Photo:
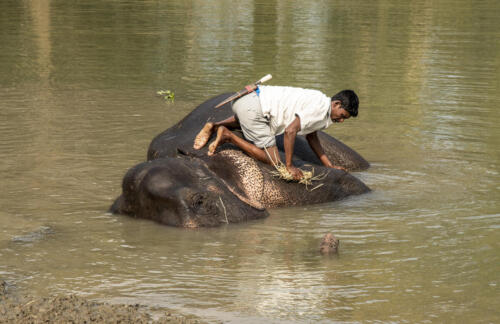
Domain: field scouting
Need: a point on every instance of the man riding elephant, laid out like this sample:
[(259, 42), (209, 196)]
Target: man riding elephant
[(185, 187), (273, 110)]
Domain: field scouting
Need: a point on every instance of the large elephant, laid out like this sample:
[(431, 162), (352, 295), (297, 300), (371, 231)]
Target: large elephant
[(184, 187)]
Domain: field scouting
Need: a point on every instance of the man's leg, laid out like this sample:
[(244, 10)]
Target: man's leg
[(224, 135), (206, 132), (231, 123)]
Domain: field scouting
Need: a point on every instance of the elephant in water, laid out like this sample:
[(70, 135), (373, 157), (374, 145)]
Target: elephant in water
[(183, 187)]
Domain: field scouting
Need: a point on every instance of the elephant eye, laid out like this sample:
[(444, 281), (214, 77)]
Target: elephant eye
[(202, 203), (196, 201)]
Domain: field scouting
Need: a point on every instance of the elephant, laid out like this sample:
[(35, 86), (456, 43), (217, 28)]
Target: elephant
[(184, 187)]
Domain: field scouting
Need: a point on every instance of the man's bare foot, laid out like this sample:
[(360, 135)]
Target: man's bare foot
[(219, 140), (203, 136)]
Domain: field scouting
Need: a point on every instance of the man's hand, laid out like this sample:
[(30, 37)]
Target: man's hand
[(338, 167), (328, 164), (295, 172), (312, 139)]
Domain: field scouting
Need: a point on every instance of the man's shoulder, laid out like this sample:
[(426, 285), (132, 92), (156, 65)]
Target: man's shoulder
[(288, 90)]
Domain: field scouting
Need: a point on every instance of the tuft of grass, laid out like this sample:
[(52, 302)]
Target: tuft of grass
[(307, 176), (168, 95)]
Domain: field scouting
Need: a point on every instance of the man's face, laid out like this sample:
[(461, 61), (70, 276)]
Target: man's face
[(338, 113)]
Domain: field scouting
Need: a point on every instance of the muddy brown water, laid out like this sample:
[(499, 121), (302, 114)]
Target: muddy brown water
[(78, 108)]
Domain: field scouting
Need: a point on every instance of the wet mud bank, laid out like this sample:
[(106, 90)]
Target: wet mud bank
[(77, 309)]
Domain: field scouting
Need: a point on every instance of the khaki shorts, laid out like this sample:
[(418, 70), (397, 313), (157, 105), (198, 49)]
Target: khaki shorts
[(254, 125)]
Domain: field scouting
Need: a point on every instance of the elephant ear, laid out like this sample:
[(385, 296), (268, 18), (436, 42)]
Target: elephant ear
[(239, 173)]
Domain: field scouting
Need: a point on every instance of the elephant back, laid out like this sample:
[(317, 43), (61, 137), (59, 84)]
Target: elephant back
[(181, 135)]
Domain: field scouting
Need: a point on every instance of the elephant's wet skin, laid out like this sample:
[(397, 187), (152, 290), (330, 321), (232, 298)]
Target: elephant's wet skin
[(230, 187), (253, 182), (183, 187), (181, 192)]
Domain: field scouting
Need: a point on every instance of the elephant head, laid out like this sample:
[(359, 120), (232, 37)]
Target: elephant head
[(181, 192)]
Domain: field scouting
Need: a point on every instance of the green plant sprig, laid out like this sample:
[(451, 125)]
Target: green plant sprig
[(168, 95)]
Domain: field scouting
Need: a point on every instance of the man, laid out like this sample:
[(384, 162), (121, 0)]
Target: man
[(274, 110)]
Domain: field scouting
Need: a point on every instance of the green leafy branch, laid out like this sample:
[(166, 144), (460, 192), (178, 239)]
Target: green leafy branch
[(168, 95)]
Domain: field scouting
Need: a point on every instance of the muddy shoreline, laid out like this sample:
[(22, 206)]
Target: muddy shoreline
[(77, 309)]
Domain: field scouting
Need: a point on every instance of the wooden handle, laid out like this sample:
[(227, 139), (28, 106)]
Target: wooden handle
[(264, 79)]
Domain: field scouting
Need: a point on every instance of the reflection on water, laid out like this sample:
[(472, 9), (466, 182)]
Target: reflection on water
[(77, 108)]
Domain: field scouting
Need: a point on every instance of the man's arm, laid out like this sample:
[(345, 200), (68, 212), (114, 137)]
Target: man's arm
[(289, 142), (312, 139)]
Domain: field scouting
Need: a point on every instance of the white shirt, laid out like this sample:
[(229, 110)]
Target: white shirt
[(282, 104)]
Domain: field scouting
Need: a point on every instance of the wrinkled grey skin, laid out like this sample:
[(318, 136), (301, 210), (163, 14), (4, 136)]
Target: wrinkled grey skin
[(181, 192), (183, 187)]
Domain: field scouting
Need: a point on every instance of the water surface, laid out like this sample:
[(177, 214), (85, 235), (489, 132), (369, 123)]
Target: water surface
[(78, 108)]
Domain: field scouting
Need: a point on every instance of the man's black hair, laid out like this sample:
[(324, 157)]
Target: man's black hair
[(349, 101)]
